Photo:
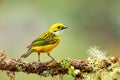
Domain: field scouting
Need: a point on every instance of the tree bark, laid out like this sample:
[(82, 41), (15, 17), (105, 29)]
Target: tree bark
[(92, 68)]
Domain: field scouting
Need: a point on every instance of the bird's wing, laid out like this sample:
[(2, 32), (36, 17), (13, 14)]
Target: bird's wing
[(42, 41)]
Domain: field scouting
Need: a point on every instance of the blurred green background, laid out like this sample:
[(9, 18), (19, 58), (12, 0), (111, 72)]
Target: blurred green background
[(90, 22)]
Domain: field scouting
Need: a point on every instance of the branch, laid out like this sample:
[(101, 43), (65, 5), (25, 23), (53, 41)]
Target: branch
[(93, 68)]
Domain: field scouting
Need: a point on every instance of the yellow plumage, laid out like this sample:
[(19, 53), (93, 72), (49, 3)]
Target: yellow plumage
[(46, 41), (46, 48)]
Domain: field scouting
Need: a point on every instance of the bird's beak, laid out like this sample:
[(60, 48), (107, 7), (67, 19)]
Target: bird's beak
[(64, 27)]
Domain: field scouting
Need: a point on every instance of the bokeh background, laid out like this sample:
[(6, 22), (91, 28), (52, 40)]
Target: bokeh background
[(90, 22)]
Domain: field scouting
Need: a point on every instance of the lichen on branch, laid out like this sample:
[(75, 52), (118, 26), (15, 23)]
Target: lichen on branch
[(95, 67)]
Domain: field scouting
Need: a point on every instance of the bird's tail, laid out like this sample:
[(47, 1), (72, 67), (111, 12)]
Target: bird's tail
[(25, 55)]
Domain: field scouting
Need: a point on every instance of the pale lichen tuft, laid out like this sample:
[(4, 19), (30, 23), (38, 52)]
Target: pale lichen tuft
[(96, 52)]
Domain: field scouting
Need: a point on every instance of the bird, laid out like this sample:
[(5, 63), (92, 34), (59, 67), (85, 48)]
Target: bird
[(46, 42)]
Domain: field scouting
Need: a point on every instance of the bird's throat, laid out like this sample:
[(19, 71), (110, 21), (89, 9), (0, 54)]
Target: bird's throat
[(57, 32)]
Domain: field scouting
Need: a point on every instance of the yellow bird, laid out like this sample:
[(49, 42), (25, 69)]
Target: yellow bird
[(46, 41)]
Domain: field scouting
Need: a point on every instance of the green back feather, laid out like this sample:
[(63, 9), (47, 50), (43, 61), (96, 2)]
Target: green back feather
[(44, 39)]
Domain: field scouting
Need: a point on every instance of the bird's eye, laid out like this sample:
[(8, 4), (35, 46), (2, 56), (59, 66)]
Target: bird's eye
[(58, 27)]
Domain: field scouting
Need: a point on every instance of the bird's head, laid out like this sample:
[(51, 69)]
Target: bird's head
[(57, 27)]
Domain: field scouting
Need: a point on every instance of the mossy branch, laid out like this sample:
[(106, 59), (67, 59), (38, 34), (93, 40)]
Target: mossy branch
[(93, 68)]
